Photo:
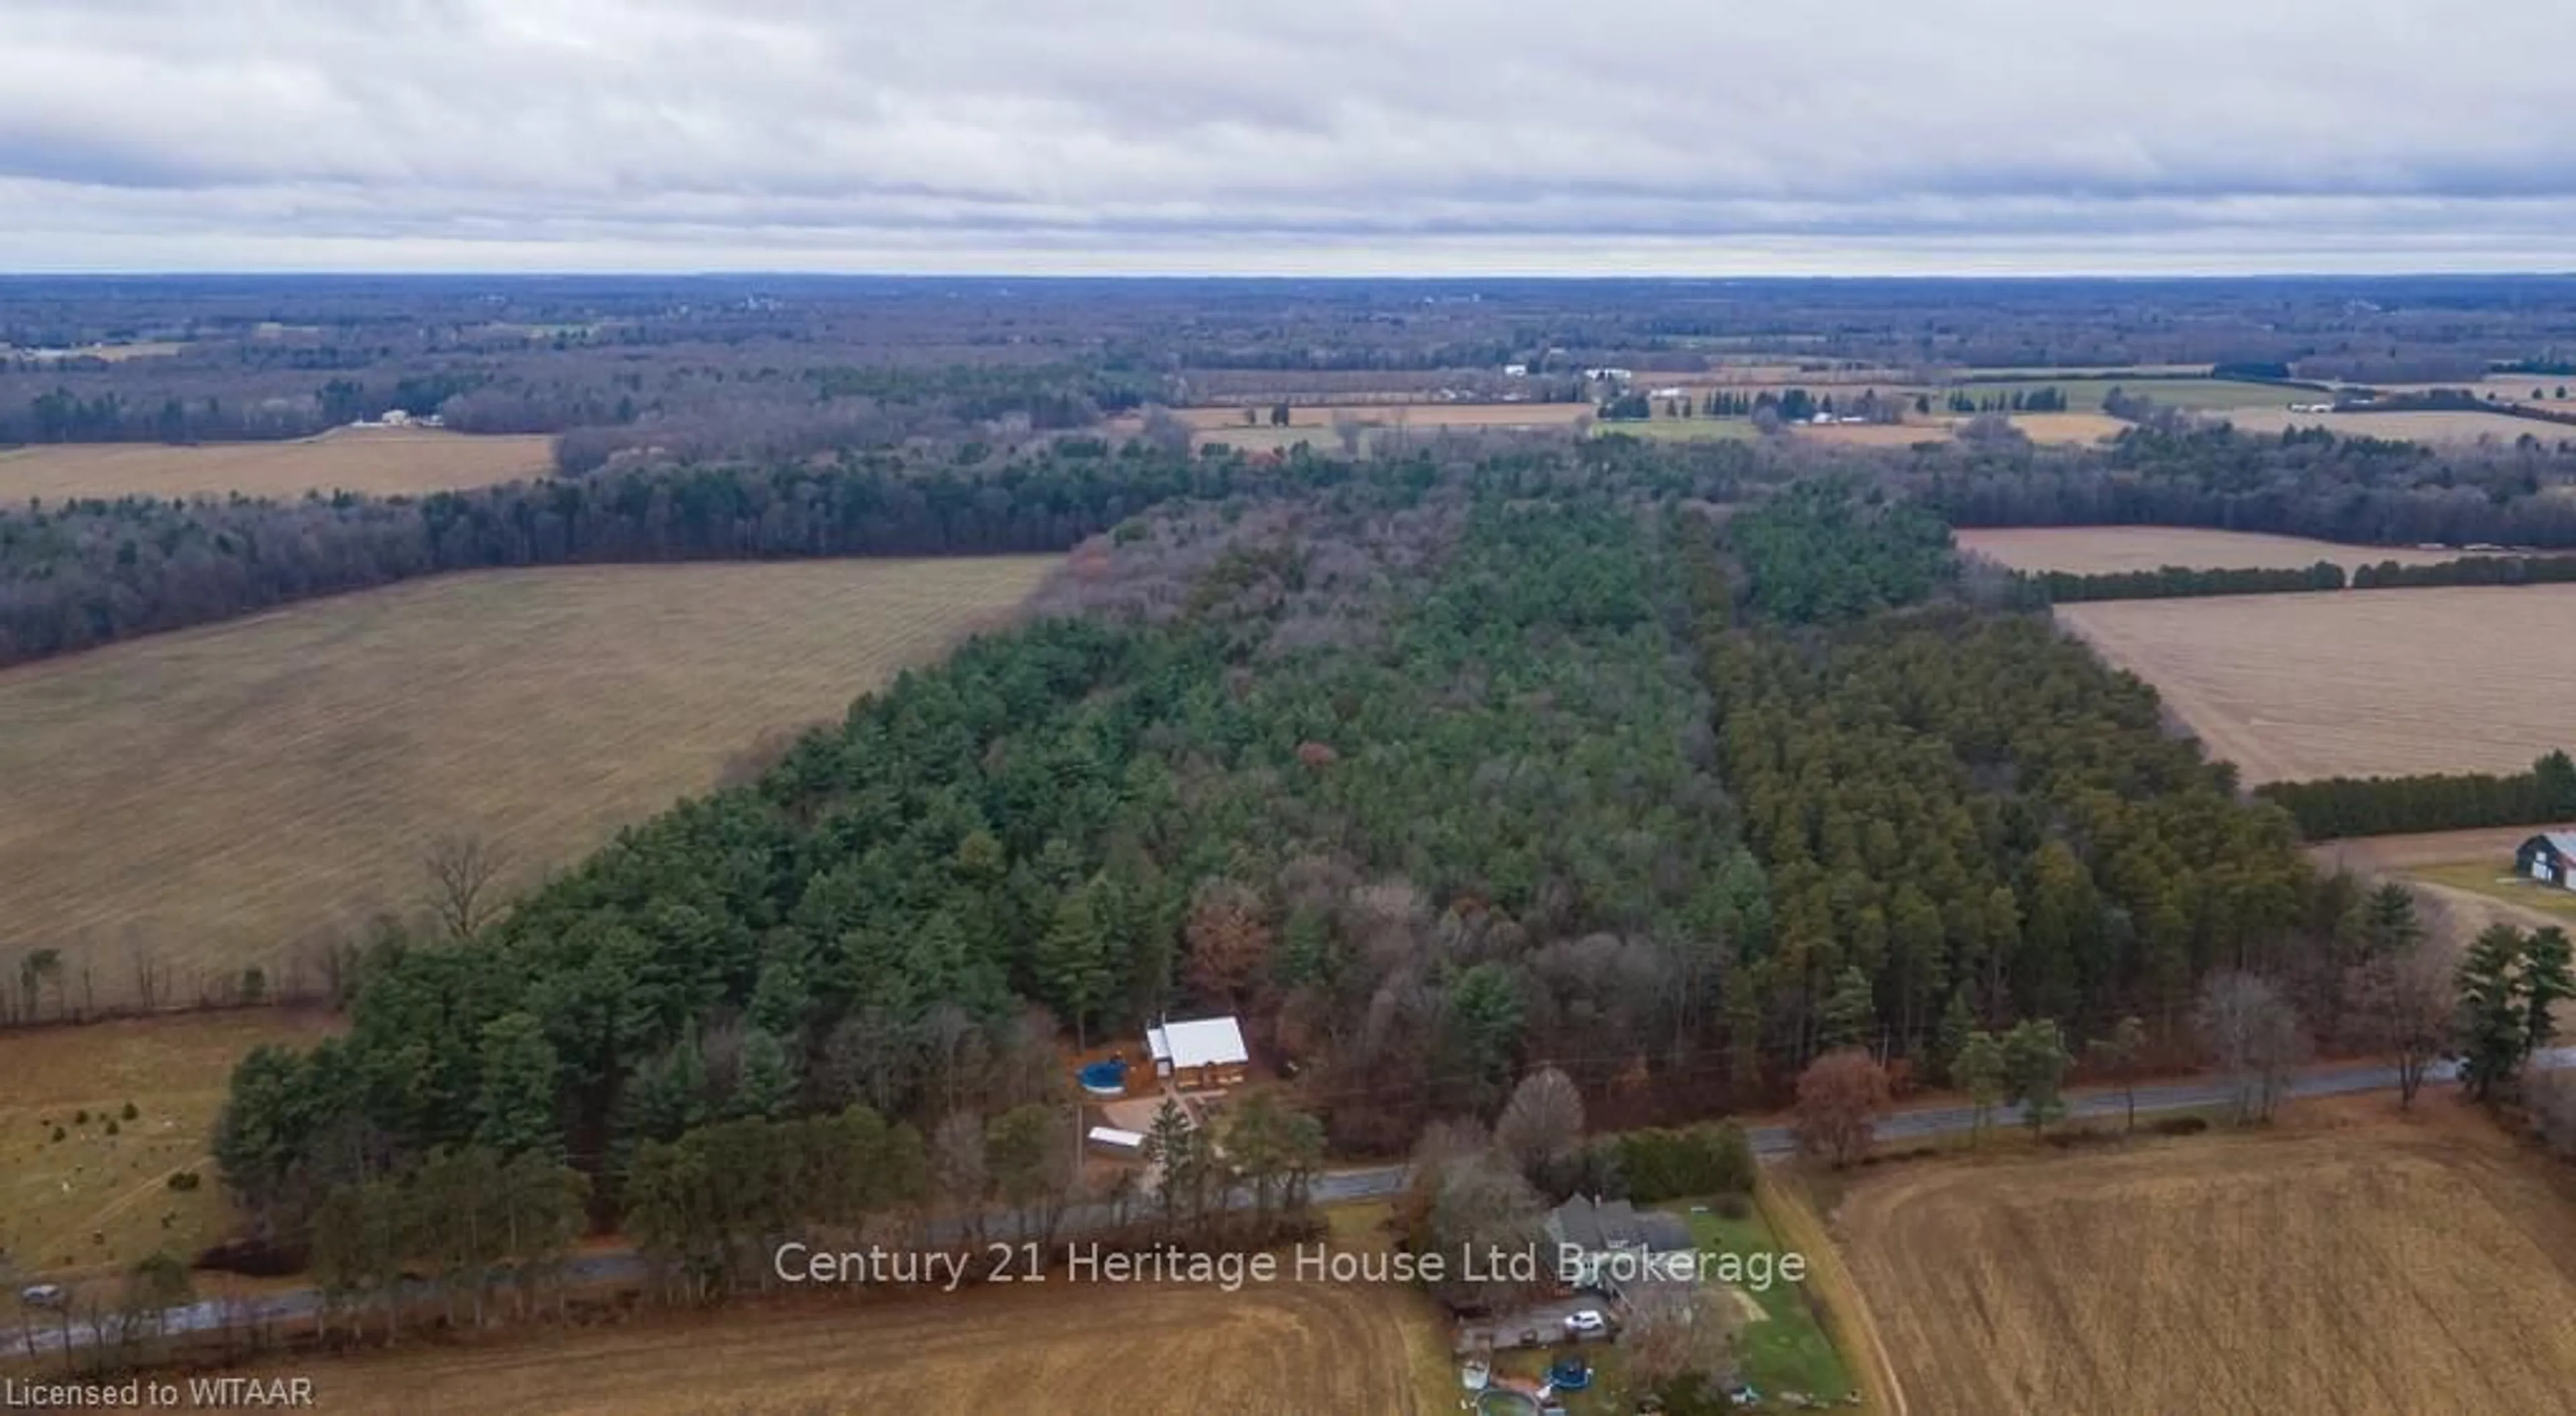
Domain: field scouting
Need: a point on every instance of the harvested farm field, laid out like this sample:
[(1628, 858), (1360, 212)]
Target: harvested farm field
[(2425, 1266), (2364, 683), (1872, 434), (376, 461), (2072, 429), (213, 798), (1060, 1347), (2431, 426), (2102, 550)]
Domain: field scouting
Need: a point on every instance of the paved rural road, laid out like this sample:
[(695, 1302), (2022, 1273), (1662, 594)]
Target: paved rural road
[(1778, 1142), (1370, 1182)]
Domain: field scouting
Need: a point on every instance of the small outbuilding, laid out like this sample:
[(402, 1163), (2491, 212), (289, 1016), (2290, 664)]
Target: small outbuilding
[(1117, 1141), (2549, 858), (1201, 1054)]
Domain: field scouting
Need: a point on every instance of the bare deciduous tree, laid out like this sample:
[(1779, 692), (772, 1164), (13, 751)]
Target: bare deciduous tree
[(34, 969), (959, 1168), (147, 972), (1543, 1122), (1164, 430), (1483, 1207), (462, 871), (2254, 1036), (1676, 1329), (2407, 1009)]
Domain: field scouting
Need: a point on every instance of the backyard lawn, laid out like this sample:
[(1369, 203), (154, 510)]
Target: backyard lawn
[(1787, 1351)]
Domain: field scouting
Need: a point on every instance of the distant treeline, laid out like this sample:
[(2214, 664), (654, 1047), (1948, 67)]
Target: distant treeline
[(87, 573), (2468, 570), (2360, 491), (608, 402), (2450, 801), (2175, 582), (2459, 400)]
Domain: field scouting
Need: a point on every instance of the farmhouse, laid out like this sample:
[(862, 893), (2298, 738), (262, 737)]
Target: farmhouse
[(1202, 1054), (1594, 1238), (2549, 857)]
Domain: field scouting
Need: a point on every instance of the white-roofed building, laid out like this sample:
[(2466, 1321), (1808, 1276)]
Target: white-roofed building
[(1201, 1054), (1122, 1142)]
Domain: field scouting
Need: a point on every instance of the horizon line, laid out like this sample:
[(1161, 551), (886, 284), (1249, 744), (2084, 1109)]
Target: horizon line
[(1340, 277)]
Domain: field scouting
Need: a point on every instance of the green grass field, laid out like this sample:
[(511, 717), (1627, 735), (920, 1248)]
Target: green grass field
[(2495, 880), (2085, 395), (1788, 1350)]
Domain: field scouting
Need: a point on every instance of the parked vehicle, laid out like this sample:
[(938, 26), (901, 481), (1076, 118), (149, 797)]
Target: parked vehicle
[(1586, 1322), (42, 1295)]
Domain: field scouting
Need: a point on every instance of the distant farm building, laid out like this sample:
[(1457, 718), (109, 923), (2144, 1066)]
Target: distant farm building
[(2549, 858), (1202, 1054)]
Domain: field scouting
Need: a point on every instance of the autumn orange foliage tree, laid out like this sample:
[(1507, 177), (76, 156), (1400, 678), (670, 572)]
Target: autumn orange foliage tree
[(1841, 1095), (1229, 942)]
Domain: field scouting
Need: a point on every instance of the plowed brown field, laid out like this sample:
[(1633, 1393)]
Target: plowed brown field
[(210, 797), (1125, 1350), (2425, 1267), (383, 461), (2456, 679)]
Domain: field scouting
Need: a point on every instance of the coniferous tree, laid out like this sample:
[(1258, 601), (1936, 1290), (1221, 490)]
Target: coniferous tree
[(2493, 1018), (2035, 1064), (1849, 1015), (515, 1113)]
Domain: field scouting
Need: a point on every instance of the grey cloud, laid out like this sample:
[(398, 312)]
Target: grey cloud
[(1363, 133)]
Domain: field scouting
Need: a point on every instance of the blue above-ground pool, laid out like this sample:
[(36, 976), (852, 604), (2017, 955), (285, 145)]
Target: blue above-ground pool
[(1105, 1078), (1503, 1401), (1572, 1374)]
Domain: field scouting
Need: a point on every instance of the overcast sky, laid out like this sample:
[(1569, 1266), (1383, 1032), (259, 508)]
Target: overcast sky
[(1311, 136)]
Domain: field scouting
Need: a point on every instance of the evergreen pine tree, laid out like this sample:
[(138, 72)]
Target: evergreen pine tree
[(2492, 1016), (515, 1107), (2545, 982), (1849, 1013)]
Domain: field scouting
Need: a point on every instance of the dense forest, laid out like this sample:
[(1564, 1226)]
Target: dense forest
[(1621, 762), (1962, 810)]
